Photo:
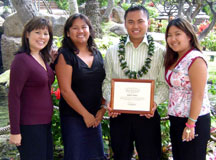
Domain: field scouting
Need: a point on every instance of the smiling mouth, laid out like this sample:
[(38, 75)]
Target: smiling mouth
[(81, 36), (175, 45), (136, 32)]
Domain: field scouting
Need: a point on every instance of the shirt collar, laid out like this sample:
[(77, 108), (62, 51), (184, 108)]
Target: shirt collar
[(128, 41)]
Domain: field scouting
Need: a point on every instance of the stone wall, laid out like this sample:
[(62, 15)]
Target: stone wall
[(9, 45)]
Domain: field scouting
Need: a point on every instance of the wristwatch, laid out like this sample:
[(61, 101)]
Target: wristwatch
[(104, 106)]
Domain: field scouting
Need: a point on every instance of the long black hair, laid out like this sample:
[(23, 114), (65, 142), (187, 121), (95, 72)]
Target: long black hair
[(68, 43), (37, 23)]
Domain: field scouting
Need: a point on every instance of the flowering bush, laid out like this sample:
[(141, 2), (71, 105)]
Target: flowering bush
[(203, 26), (56, 129), (56, 93), (151, 4)]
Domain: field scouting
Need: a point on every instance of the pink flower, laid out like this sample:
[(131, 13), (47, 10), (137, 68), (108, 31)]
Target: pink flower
[(151, 4), (176, 83)]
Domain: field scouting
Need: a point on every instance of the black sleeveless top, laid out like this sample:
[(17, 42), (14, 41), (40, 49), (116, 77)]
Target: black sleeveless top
[(86, 82)]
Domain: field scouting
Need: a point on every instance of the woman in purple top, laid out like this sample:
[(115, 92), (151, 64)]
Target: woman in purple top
[(30, 103)]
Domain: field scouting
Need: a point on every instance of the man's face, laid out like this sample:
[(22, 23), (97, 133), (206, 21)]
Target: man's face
[(136, 23)]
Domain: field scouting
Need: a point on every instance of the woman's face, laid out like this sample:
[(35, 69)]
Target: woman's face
[(79, 32), (38, 39), (178, 41)]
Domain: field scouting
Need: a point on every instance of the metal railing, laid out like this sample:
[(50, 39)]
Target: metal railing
[(46, 4), (4, 130)]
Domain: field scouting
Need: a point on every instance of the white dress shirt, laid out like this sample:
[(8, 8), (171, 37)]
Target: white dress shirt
[(135, 58)]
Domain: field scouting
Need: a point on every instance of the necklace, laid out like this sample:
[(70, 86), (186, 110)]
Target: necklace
[(144, 69)]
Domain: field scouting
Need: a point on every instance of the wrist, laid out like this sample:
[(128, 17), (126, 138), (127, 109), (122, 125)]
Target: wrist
[(192, 119), (190, 125), (84, 113)]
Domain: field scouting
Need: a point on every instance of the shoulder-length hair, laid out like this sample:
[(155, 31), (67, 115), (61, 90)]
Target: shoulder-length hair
[(181, 23), (37, 23), (68, 43)]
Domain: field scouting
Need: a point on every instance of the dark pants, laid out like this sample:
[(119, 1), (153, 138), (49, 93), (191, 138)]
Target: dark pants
[(80, 142), (195, 149), (129, 128), (36, 143)]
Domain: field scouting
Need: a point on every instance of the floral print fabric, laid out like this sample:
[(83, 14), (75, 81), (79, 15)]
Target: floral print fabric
[(180, 91)]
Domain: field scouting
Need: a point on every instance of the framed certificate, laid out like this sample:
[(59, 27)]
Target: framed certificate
[(132, 96)]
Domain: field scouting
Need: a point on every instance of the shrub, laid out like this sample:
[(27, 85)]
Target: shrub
[(209, 42)]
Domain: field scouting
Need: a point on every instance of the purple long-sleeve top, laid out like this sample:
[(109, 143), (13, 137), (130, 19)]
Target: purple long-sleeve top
[(29, 97)]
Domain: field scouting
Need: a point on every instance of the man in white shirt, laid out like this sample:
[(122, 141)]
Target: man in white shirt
[(141, 59)]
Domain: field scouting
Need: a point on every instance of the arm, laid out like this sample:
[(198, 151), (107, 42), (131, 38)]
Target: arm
[(161, 89), (106, 88), (100, 113), (198, 82), (18, 78), (64, 74)]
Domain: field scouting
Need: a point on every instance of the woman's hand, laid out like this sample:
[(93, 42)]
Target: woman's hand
[(15, 139), (53, 54), (89, 119), (99, 116), (188, 134)]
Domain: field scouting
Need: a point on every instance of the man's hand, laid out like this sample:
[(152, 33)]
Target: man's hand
[(110, 113), (150, 115)]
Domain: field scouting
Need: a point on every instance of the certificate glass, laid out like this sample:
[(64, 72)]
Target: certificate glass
[(132, 96)]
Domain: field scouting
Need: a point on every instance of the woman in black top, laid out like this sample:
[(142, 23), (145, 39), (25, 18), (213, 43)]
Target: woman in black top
[(80, 73)]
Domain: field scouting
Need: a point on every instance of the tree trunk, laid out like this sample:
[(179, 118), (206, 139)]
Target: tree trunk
[(108, 11), (73, 7), (180, 7), (25, 9), (93, 13), (198, 8)]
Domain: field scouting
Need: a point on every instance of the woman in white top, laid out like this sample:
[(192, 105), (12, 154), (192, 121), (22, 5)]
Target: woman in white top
[(188, 109)]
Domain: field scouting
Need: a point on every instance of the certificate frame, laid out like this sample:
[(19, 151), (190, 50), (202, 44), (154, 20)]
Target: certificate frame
[(132, 96)]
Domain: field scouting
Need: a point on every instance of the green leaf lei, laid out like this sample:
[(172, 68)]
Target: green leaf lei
[(123, 63)]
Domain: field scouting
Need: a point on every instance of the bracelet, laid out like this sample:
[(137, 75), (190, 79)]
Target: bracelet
[(190, 126), (194, 120)]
